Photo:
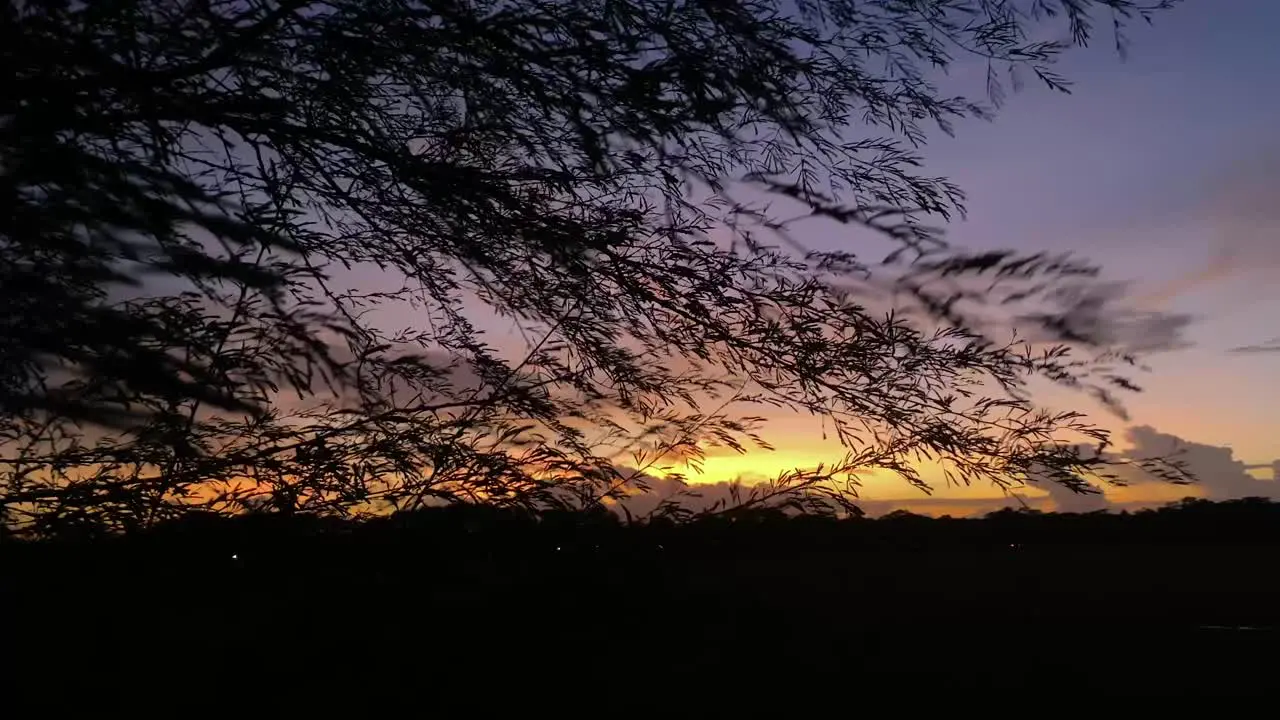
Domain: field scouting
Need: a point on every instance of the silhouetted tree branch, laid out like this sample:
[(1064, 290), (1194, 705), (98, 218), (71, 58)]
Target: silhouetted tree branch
[(196, 185)]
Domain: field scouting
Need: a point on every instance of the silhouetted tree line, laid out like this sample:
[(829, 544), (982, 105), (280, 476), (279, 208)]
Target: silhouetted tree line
[(463, 531), (312, 611)]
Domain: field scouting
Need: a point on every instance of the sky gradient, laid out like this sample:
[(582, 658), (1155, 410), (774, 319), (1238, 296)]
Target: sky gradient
[(1164, 168)]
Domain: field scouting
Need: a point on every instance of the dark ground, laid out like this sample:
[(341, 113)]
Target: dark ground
[(1180, 603)]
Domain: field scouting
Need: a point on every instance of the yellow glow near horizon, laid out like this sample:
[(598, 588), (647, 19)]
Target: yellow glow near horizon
[(759, 465)]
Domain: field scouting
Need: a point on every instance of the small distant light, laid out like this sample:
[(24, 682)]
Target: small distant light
[(661, 548), (557, 548), (235, 556)]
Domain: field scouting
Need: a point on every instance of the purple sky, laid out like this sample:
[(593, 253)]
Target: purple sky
[(1166, 169)]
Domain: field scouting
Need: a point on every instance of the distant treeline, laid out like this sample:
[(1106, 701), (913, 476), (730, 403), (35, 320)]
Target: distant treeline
[(1014, 602), (494, 530)]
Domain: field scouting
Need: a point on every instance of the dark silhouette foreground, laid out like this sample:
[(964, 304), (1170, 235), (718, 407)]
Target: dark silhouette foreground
[(298, 611)]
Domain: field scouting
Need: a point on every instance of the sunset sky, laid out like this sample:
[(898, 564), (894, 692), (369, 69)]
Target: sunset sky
[(1165, 168)]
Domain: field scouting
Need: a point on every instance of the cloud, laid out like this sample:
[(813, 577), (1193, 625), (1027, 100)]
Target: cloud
[(1219, 474), (1239, 208), (698, 497), (704, 496), (1067, 500), (1270, 346), (1105, 314), (1220, 266), (955, 507)]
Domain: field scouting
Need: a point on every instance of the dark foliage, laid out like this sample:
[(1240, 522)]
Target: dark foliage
[(450, 602), (200, 192)]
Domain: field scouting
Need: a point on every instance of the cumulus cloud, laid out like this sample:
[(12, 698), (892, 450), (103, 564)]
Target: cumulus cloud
[(1219, 474)]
